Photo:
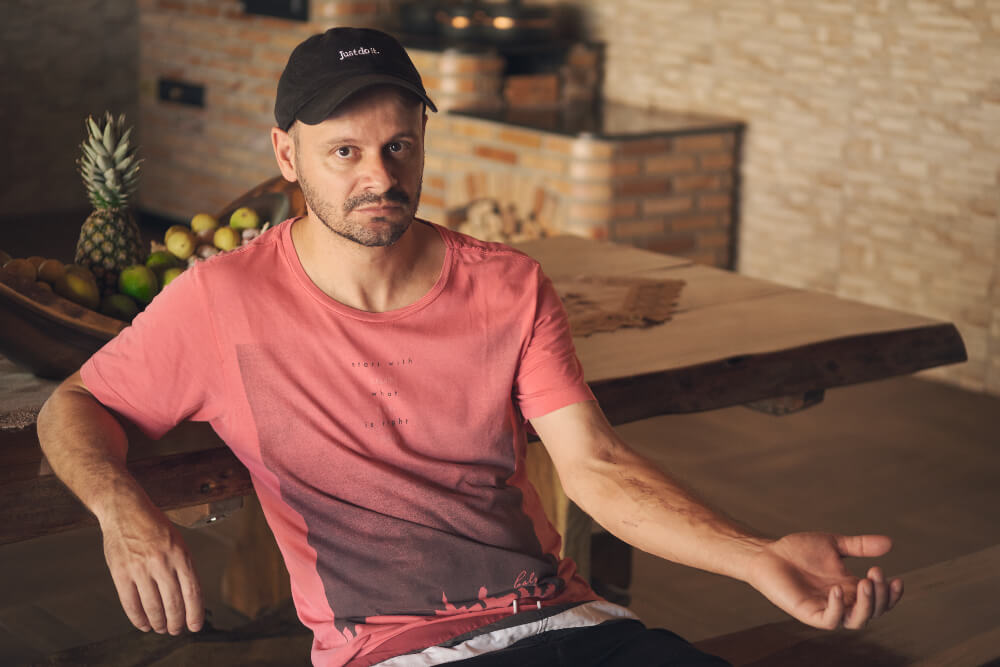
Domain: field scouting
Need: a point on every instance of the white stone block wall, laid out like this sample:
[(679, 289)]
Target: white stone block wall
[(871, 164)]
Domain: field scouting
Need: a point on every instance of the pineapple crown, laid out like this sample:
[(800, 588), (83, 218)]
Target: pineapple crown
[(108, 166)]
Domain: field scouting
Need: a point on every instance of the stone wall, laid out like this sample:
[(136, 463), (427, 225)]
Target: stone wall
[(871, 165), (61, 61)]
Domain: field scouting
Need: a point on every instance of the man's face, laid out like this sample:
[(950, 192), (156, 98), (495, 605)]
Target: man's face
[(361, 169)]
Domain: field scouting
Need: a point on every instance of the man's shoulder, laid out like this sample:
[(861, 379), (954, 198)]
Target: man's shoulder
[(477, 250)]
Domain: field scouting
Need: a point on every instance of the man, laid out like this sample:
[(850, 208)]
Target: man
[(375, 373)]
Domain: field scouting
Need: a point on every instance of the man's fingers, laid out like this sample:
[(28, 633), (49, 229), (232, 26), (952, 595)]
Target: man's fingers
[(834, 609), (863, 607), (152, 605), (173, 603), (895, 592), (863, 546), (193, 605), (881, 589), (128, 595)]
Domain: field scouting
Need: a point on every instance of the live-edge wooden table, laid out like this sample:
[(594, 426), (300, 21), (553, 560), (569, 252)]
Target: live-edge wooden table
[(732, 340)]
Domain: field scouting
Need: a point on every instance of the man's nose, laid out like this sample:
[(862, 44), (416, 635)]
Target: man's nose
[(378, 173)]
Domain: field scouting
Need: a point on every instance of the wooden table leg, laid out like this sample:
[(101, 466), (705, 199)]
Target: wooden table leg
[(254, 578)]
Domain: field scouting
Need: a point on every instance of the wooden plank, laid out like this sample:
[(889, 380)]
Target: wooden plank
[(34, 507), (752, 377), (968, 587), (573, 255), (756, 326)]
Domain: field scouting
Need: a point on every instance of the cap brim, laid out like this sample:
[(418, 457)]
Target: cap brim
[(323, 105)]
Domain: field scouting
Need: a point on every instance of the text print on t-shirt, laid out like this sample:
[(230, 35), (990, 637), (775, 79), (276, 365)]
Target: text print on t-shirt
[(385, 389)]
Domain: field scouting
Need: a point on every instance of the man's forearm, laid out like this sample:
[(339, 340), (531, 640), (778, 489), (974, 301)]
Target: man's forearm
[(86, 447), (641, 505)]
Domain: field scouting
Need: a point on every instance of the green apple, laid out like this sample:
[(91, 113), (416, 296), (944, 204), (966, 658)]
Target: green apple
[(161, 260), (170, 274), (139, 282), (244, 218)]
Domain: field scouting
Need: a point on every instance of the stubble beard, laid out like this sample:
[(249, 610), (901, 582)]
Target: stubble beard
[(369, 236)]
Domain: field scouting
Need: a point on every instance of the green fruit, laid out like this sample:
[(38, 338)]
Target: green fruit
[(139, 282), (78, 286), (170, 274), (244, 218), (119, 306), (226, 238), (161, 260)]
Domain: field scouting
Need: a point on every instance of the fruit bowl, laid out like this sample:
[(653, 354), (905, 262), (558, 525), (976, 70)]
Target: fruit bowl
[(52, 336), (47, 334)]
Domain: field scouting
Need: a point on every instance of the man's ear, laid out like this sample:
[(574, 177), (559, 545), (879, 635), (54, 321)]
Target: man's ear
[(284, 153)]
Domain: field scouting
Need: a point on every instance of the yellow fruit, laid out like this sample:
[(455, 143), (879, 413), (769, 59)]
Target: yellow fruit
[(182, 243), (75, 286), (244, 218), (81, 271), (173, 229), (226, 238), (120, 306), (202, 222), (50, 270), (21, 268), (139, 282), (170, 274)]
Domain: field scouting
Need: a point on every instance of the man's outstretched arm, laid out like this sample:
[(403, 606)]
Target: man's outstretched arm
[(803, 573), (149, 563)]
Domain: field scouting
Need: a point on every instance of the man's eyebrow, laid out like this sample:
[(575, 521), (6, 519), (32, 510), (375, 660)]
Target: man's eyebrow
[(350, 141)]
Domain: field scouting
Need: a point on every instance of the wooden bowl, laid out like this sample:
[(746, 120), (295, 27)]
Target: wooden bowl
[(52, 336)]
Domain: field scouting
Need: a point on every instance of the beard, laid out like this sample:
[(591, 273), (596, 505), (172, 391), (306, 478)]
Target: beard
[(381, 231)]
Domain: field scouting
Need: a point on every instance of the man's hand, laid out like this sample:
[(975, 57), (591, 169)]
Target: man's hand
[(804, 575), (153, 573)]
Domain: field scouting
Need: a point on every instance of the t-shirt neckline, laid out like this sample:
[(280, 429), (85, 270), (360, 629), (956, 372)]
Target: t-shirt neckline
[(295, 265)]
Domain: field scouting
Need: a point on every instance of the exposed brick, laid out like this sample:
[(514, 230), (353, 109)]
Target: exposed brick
[(666, 205), (587, 149), (692, 222), (714, 202), (521, 138), (583, 212), (695, 143), (474, 129), (645, 146), (670, 164), (431, 199), (643, 186), (547, 163), (697, 182), (714, 240), (716, 160), (434, 182)]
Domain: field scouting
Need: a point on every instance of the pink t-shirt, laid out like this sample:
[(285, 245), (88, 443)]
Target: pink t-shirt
[(387, 449)]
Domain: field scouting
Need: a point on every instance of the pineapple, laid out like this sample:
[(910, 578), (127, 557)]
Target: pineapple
[(109, 239)]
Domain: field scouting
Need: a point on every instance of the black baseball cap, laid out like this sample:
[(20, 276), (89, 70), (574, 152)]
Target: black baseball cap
[(327, 68)]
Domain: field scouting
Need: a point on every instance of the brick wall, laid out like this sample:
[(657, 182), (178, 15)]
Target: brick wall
[(669, 193), (871, 164), (61, 62)]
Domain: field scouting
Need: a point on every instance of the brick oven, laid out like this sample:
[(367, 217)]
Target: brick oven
[(511, 156)]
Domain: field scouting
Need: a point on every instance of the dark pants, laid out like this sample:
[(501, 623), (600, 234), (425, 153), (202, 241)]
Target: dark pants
[(615, 644)]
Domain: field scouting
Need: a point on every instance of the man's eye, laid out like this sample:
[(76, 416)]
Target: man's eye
[(396, 147), (344, 151)]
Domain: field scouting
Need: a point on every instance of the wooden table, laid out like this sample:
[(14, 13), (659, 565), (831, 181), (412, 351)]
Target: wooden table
[(732, 340)]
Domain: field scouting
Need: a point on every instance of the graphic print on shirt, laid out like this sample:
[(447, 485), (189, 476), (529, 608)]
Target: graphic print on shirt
[(401, 524)]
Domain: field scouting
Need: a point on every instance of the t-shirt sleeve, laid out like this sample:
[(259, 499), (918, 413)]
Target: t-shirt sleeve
[(550, 375), (163, 368)]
